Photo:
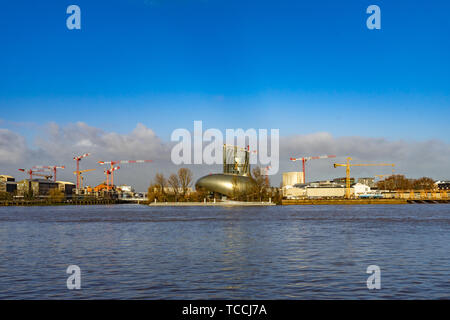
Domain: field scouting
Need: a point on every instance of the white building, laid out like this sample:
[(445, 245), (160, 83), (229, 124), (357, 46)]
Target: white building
[(126, 188), (360, 188)]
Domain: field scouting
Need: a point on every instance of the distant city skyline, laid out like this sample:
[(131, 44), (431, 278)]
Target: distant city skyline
[(138, 70)]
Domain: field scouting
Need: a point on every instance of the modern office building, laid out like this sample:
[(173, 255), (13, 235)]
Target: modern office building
[(38, 187), (7, 184), (68, 188)]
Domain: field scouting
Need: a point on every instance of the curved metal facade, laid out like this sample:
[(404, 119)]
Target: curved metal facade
[(223, 183)]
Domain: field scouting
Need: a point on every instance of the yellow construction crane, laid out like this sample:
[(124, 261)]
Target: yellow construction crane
[(347, 169), (80, 175)]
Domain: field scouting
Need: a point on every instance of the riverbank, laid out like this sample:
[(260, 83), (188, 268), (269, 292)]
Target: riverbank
[(358, 201), (30, 203), (210, 204)]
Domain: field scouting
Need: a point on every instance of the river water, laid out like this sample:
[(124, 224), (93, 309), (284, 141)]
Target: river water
[(282, 252)]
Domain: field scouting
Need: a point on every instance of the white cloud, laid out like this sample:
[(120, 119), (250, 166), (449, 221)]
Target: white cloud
[(80, 138), (12, 147), (57, 145)]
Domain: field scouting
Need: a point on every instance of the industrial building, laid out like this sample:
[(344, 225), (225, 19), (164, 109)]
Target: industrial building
[(360, 189), (323, 189), (125, 191), (326, 192), (315, 190), (342, 180), (443, 185), (292, 178)]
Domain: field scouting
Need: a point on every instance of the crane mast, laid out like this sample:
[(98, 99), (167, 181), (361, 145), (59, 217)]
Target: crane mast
[(81, 175), (113, 163), (347, 166), (77, 159)]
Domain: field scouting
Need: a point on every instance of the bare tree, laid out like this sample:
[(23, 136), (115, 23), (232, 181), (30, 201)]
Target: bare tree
[(424, 183), (260, 182), (152, 192), (174, 183), (400, 182), (395, 182), (161, 182), (185, 178)]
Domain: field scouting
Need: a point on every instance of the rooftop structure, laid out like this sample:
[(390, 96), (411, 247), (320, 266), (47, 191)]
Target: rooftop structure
[(6, 178), (236, 160)]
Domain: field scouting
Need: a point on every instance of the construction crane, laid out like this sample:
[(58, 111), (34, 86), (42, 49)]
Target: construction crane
[(347, 170), (77, 159), (81, 175), (46, 176), (53, 168), (34, 173), (305, 159), (113, 163), (109, 172)]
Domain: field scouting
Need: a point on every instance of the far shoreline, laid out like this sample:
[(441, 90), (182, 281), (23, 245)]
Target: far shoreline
[(211, 204)]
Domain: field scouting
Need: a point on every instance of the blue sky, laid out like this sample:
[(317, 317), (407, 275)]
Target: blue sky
[(301, 66)]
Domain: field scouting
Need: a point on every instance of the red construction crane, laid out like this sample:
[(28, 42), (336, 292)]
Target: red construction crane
[(33, 173), (109, 172), (304, 159), (53, 168), (77, 159), (112, 163), (30, 172)]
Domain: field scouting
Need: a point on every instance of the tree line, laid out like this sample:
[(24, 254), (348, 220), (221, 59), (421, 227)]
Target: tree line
[(400, 182), (175, 188)]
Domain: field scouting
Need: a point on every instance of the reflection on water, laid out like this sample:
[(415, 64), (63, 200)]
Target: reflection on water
[(292, 252)]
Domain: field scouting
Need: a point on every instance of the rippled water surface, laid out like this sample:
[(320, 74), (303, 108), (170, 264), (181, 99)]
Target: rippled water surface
[(289, 252)]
